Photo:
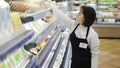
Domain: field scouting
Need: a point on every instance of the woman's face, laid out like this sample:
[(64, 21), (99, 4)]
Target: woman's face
[(80, 17)]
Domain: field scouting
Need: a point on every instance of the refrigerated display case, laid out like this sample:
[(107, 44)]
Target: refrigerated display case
[(40, 44), (108, 19), (107, 23)]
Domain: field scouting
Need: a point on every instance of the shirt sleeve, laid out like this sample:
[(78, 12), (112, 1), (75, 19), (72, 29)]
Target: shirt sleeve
[(63, 17), (94, 45)]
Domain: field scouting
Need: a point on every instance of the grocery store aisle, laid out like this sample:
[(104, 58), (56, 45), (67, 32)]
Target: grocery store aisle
[(109, 53)]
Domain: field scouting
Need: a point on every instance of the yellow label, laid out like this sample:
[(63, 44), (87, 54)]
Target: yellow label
[(16, 21), (42, 44)]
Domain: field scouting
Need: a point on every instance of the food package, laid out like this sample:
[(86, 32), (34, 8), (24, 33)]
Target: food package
[(48, 18), (2, 65), (42, 44), (16, 22), (22, 6), (118, 4), (116, 14)]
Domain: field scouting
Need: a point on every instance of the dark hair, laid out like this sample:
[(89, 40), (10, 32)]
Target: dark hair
[(89, 15)]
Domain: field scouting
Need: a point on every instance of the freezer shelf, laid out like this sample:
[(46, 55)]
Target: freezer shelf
[(35, 15), (42, 55), (62, 52), (67, 57), (14, 44), (52, 53), (38, 38), (32, 63)]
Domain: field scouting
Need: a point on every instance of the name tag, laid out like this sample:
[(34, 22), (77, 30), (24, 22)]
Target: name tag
[(83, 45)]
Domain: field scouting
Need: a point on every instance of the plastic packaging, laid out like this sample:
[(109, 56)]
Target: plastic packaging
[(6, 28)]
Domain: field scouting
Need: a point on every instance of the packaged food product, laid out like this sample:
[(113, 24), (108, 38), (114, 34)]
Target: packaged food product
[(8, 63), (12, 59), (6, 27), (33, 27), (118, 4), (22, 6), (28, 26), (2, 65), (48, 18), (42, 44), (16, 22), (34, 50)]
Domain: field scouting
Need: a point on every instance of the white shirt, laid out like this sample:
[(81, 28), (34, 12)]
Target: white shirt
[(80, 32)]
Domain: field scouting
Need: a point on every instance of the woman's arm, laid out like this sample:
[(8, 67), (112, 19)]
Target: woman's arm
[(94, 45), (63, 17)]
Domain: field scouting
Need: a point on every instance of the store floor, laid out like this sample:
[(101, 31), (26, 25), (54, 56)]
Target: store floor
[(109, 53)]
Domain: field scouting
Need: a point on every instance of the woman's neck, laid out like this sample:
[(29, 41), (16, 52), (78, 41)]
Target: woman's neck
[(82, 25)]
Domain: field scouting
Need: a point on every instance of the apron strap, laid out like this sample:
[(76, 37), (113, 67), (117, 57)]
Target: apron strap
[(76, 27), (88, 28)]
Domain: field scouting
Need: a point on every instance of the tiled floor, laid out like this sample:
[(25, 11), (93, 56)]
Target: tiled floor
[(109, 53)]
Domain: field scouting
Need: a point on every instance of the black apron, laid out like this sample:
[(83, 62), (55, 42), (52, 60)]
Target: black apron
[(81, 57)]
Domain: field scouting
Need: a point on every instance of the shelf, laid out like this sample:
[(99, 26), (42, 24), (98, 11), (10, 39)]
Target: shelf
[(52, 53), (67, 57), (108, 17), (106, 24), (110, 10), (45, 31), (108, 28), (38, 38), (58, 50), (108, 2), (14, 44), (64, 52), (35, 15), (42, 55), (56, 53), (78, 2), (32, 62), (23, 62)]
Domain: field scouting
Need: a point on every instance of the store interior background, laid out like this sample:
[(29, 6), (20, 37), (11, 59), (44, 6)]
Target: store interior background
[(107, 24)]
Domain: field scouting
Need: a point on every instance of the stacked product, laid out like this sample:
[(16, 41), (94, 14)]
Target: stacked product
[(108, 17), (107, 4), (16, 22), (36, 49), (14, 59), (39, 24), (118, 4), (108, 12)]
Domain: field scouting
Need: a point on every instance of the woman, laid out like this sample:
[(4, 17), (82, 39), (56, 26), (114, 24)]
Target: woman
[(84, 40)]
